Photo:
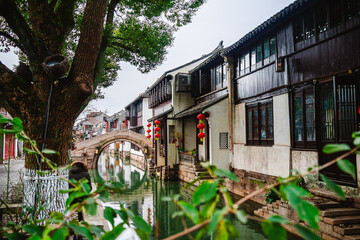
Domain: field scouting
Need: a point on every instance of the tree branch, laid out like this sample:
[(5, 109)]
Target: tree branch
[(14, 92), (126, 47), (82, 72), (19, 26), (12, 39)]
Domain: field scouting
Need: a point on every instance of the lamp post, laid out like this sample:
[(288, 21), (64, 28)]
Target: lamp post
[(55, 67)]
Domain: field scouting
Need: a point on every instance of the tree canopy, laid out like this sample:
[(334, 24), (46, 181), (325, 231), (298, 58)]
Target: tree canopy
[(95, 36)]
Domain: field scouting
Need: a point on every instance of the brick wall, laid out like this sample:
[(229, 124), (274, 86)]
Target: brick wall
[(249, 182)]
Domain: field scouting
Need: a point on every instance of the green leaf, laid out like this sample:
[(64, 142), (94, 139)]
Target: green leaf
[(177, 214), (33, 230), (97, 230), (141, 224), (209, 207), (277, 219), (113, 234), (306, 211), (232, 229), (104, 195), (189, 211), (85, 185), (216, 218), (17, 122), (226, 173), (200, 234), (221, 232), (273, 230), (306, 233), (347, 166), (49, 151), (109, 214), (73, 196), (241, 216), (67, 190), (356, 141), (57, 216), (14, 236), (141, 234), (82, 231), (123, 215), (91, 206), (309, 213), (29, 150), (294, 193), (333, 186), (205, 164), (61, 233), (228, 198), (204, 192), (334, 148), (355, 134), (195, 180)]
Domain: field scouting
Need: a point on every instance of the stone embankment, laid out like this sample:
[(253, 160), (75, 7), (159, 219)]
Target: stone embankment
[(338, 219)]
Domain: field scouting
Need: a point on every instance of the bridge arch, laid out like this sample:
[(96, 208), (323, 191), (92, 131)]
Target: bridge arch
[(88, 151), (106, 144)]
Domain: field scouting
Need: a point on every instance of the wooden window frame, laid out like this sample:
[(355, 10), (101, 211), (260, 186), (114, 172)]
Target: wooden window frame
[(303, 92), (268, 141)]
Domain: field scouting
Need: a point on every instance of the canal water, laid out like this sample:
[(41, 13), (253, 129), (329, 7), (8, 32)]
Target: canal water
[(143, 196)]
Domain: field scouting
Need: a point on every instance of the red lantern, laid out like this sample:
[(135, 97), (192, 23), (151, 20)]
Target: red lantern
[(148, 131), (157, 135), (201, 126), (149, 125), (157, 122), (201, 135), (201, 116), (157, 129), (148, 136)]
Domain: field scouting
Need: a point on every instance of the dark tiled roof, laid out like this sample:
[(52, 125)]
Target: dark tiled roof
[(270, 23), (216, 54), (219, 47), (199, 107), (160, 115)]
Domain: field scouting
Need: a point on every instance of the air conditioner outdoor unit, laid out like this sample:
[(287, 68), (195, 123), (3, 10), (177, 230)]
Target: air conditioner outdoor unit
[(183, 82)]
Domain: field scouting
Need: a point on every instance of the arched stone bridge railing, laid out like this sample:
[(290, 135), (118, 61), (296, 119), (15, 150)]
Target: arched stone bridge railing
[(86, 150)]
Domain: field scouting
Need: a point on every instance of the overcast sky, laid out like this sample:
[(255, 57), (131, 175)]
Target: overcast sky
[(217, 20)]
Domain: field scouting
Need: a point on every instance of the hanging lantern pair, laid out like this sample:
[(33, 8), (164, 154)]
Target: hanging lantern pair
[(201, 126), (157, 129), (148, 131)]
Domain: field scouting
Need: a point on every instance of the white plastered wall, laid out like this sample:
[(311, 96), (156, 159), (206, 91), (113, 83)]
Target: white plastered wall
[(171, 153), (189, 133), (218, 123), (271, 160)]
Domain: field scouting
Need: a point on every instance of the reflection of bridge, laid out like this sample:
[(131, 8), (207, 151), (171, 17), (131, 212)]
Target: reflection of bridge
[(86, 150)]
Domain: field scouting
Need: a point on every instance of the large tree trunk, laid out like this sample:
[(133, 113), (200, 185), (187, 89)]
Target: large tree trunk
[(25, 93), (44, 189)]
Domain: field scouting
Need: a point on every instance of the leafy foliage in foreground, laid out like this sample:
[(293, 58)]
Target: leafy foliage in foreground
[(203, 211)]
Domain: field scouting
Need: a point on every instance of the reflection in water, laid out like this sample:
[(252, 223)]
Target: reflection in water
[(143, 196)]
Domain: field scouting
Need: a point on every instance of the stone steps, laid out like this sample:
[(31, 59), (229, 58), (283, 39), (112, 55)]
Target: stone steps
[(333, 212), (352, 237), (348, 229), (342, 220), (331, 204)]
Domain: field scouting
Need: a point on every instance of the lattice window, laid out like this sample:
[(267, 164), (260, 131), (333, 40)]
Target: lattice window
[(224, 140)]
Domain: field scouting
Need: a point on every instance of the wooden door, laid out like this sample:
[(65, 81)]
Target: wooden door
[(337, 121), (9, 144)]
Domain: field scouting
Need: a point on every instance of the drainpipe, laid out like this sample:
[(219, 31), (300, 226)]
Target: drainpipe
[(290, 113), (231, 104)]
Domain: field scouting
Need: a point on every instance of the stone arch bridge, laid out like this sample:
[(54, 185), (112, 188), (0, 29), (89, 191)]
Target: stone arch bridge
[(86, 150)]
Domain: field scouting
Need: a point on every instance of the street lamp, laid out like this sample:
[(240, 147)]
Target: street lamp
[(55, 66)]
